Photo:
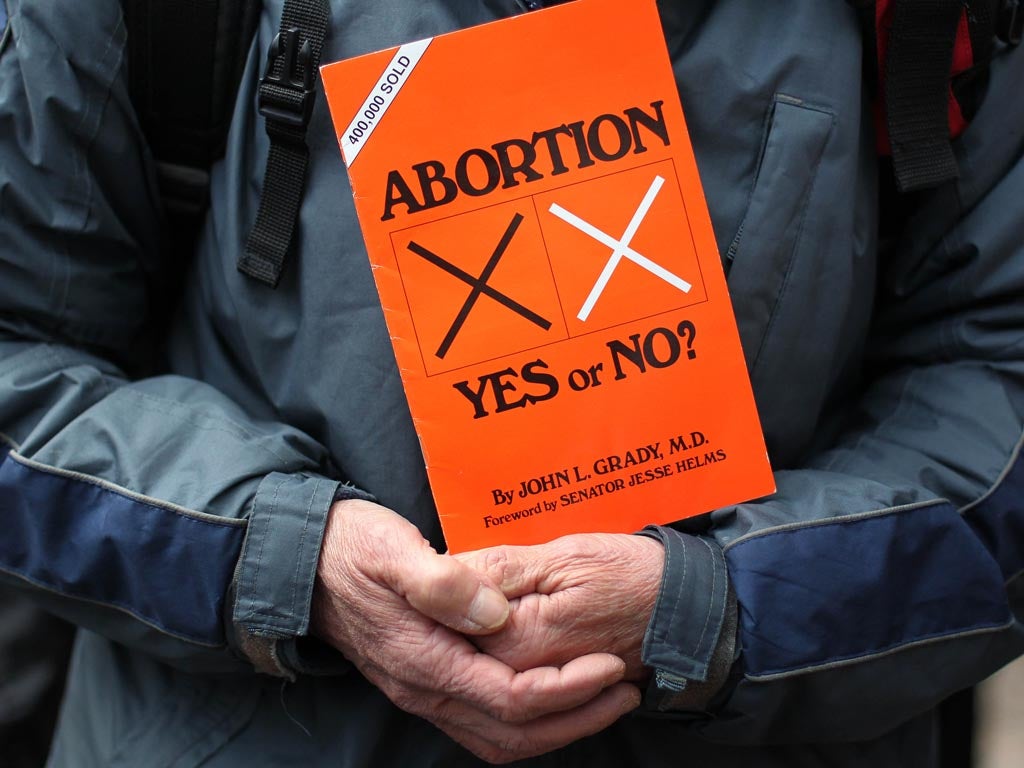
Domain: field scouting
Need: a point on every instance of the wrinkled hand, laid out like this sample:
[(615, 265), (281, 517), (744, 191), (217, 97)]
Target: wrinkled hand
[(580, 594), (396, 609)]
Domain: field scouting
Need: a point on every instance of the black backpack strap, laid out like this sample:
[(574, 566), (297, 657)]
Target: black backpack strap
[(185, 60), (286, 98), (917, 69), (935, 76)]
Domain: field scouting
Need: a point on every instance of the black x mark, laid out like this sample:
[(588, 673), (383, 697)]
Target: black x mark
[(479, 285)]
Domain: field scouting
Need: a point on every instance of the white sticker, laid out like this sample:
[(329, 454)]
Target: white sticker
[(383, 94)]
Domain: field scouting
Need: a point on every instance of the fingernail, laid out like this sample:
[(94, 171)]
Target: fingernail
[(489, 609)]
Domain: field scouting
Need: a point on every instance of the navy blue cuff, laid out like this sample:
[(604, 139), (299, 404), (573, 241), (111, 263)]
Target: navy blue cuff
[(687, 620)]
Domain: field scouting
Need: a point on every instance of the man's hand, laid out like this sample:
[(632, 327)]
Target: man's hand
[(580, 594), (396, 609)]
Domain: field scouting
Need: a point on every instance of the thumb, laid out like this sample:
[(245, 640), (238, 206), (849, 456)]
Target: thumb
[(451, 593), (517, 570)]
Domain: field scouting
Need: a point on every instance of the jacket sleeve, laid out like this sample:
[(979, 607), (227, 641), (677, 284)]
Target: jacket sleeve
[(888, 571), (151, 510)]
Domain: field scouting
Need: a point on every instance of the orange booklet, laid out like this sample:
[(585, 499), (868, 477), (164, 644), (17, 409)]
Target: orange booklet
[(545, 260)]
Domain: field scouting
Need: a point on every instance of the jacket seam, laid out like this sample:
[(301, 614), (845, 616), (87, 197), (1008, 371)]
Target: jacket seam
[(254, 581), (890, 650), (302, 541), (225, 426), (266, 630), (737, 240), (23, 358), (835, 462), (679, 590), (711, 601), (118, 490), (55, 358), (115, 605), (839, 520), (79, 168), (1003, 474), (1015, 455), (660, 600), (806, 205), (272, 625)]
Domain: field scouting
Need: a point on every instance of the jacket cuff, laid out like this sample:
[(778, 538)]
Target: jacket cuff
[(276, 572), (691, 638)]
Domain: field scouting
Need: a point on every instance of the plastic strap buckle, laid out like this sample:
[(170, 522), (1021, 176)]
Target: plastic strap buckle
[(288, 96)]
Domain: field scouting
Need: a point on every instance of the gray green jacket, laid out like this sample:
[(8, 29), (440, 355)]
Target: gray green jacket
[(177, 517)]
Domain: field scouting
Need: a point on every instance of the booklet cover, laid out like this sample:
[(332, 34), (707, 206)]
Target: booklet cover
[(546, 264)]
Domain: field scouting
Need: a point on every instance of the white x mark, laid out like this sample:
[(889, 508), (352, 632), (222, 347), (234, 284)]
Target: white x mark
[(620, 248)]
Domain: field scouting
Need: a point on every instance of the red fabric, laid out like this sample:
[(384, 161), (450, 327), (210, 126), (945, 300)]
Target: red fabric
[(963, 59)]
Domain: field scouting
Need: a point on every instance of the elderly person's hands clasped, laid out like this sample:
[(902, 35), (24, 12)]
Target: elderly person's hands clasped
[(511, 651)]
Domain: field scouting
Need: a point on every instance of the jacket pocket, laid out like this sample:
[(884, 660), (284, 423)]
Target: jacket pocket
[(761, 256)]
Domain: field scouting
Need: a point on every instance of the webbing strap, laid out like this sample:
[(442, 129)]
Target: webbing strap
[(286, 98), (185, 59), (917, 70)]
